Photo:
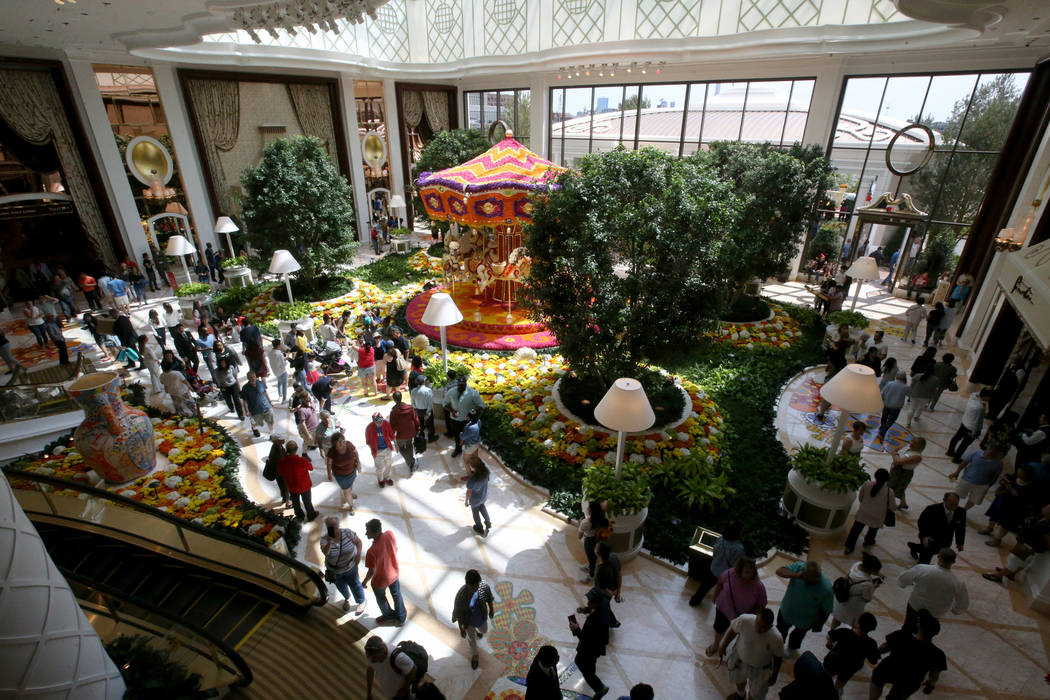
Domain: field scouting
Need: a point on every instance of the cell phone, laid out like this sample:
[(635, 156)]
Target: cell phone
[(572, 620), (331, 530)]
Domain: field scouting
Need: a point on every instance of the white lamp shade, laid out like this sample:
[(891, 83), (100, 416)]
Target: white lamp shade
[(178, 245), (625, 407), (855, 388), (441, 311), (864, 268), (224, 224), (282, 262), (397, 201)]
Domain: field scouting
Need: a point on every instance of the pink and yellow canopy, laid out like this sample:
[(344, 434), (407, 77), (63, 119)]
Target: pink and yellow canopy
[(490, 189)]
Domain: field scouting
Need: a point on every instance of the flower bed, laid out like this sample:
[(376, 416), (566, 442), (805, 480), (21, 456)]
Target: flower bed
[(779, 331), (422, 262), (198, 483)]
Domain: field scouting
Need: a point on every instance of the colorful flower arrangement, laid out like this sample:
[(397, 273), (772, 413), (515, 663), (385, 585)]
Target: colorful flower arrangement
[(197, 481), (780, 331), (421, 262)]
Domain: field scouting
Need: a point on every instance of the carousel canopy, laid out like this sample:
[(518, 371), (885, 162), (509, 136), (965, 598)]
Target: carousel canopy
[(488, 190)]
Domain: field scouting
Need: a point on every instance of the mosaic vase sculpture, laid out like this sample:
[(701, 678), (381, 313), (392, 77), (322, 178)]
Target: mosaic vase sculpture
[(114, 439)]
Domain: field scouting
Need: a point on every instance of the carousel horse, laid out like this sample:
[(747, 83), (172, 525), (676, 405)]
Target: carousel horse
[(518, 265)]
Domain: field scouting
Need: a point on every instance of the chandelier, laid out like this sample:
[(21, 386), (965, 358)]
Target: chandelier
[(311, 15)]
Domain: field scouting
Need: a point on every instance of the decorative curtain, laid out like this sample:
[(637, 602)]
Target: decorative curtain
[(436, 105), (32, 108), (217, 111), (313, 109), (412, 102)]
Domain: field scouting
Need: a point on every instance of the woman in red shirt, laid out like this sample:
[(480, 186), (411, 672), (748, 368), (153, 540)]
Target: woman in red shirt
[(296, 473), (366, 365)]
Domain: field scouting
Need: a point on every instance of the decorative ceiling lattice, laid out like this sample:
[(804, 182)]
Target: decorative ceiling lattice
[(659, 19), (578, 21), (388, 32), (882, 11), (505, 22), (444, 30), (775, 14)]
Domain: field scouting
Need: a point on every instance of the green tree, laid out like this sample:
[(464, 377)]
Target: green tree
[(296, 199), (780, 191), (624, 259), (980, 124), (631, 103), (523, 123), (445, 150), (938, 254)]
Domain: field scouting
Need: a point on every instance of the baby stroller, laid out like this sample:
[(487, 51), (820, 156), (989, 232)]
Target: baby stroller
[(329, 355), (207, 394)]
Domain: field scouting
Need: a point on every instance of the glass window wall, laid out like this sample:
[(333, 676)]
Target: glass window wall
[(513, 107)]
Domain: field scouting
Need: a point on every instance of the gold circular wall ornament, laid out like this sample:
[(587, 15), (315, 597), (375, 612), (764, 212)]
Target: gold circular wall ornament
[(373, 150), (149, 161)]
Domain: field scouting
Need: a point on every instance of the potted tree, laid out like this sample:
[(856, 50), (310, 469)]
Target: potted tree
[(820, 493), (627, 503)]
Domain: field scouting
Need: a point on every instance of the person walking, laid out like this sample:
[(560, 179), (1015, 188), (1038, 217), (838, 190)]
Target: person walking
[(979, 470), (913, 316), (394, 674), (34, 316), (472, 609), (405, 423), (151, 272), (739, 591), (322, 390), (755, 654), (542, 683), (608, 578), (273, 458), (477, 494), (1015, 501), (726, 551), (53, 331), (946, 373), (876, 503), (1033, 538), (935, 589), (923, 387), (807, 603), (904, 463), (423, 404), (460, 399), (150, 354), (970, 426), (889, 372), (306, 422), (593, 636), (341, 548), (13, 365), (257, 404), (279, 365), (379, 435), (296, 472), (396, 369), (862, 580), (939, 523), (470, 440), (118, 288), (894, 396), (594, 524), (850, 648), (185, 346), (226, 379), (343, 466), (366, 365), (381, 561), (913, 661), (89, 286), (324, 433), (933, 321)]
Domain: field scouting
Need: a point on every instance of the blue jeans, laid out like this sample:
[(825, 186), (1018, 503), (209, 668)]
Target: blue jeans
[(300, 377), (349, 582), (889, 417), (398, 610), (38, 332), (282, 386), (480, 512)]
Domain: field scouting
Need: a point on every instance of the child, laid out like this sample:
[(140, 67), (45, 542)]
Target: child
[(477, 494), (471, 437)]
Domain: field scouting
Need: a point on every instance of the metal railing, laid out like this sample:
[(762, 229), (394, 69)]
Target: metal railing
[(28, 399), (61, 502), (197, 650)]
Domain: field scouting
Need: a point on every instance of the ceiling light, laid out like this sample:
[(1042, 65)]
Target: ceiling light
[(612, 74)]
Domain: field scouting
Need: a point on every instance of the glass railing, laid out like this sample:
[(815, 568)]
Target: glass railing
[(114, 614), (71, 504)]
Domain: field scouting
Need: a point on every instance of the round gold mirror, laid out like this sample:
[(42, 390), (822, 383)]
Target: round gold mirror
[(149, 161), (373, 149)]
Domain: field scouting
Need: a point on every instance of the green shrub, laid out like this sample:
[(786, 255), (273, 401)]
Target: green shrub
[(293, 312), (270, 329), (389, 272), (567, 503), (191, 289), (853, 319), (321, 289), (239, 261), (746, 309), (436, 250), (400, 232), (842, 474), (435, 372), (233, 299), (628, 494)]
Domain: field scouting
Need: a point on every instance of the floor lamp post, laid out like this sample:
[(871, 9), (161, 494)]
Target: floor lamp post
[(442, 312), (854, 389), (862, 270), (282, 263), (224, 224), (625, 408), (180, 247)]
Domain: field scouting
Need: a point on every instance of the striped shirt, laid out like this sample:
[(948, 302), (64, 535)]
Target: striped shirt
[(341, 556)]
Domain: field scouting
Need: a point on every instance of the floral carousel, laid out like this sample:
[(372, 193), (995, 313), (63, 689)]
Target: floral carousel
[(486, 199)]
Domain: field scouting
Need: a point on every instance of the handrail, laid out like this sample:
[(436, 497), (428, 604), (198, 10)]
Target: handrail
[(74, 371), (173, 623), (294, 581)]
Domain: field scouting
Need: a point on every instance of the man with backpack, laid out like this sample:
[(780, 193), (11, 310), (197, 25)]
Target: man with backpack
[(395, 672)]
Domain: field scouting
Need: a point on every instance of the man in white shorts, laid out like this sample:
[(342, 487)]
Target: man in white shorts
[(754, 661), (980, 469)]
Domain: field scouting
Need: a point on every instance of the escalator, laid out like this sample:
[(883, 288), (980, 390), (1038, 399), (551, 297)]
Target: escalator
[(226, 609)]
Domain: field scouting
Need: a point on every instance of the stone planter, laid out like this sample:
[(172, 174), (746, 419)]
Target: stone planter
[(307, 325), (115, 439), (238, 276), (186, 306), (821, 512), (628, 532)]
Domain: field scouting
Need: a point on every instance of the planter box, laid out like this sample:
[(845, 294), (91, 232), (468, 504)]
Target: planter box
[(239, 276), (628, 532), (821, 512), (307, 323)]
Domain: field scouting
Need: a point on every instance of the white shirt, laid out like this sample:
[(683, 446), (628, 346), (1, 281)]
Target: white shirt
[(388, 680), (973, 414), (327, 332), (278, 363), (936, 589), (883, 351), (756, 649), (173, 318), (915, 313)]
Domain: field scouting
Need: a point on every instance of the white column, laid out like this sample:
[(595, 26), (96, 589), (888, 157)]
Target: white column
[(181, 132), (357, 167), (50, 648), (393, 138), (539, 117), (104, 144)]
